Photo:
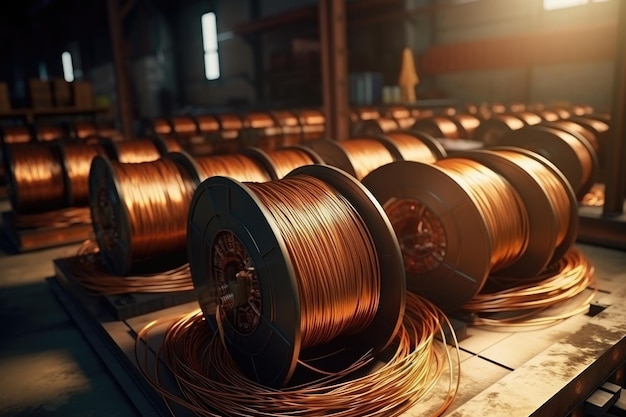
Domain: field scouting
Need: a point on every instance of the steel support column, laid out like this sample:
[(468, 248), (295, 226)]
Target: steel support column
[(333, 40)]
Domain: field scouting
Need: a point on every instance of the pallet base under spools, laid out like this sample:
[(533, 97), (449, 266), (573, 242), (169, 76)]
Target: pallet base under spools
[(596, 228), (29, 239), (123, 306)]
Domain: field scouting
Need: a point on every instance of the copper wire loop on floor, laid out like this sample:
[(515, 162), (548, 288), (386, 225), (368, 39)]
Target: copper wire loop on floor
[(511, 302), (210, 384)]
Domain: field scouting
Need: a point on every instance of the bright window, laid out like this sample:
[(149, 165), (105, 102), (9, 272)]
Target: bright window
[(68, 68), (209, 43), (562, 4)]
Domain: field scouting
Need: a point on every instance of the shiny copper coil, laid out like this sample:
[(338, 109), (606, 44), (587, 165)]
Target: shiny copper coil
[(139, 213), (84, 130), (172, 144), (138, 150), (287, 159), (517, 107), (438, 127), (548, 115), (310, 117), (411, 148), (562, 112), (208, 123), (16, 134), (581, 110), (367, 113), (230, 122), (589, 135), (365, 155), (77, 158), (398, 112), (35, 173), (527, 117), (259, 120), (184, 125), (599, 128), (238, 166), (109, 131), (501, 206), (374, 127), (468, 122), (161, 126), (285, 118), (49, 132), (60, 218), (492, 130), (291, 129), (422, 113)]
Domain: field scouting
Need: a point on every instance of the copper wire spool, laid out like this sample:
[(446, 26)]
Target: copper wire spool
[(77, 158), (415, 147), (47, 133), (456, 221), (529, 118), (549, 201), (548, 115), (368, 113), (598, 127), (16, 134), (280, 162), (374, 127), (161, 126), (491, 131), (468, 123), (569, 151), (291, 129), (581, 110), (230, 125), (139, 213), (438, 127), (171, 145), (282, 238), (35, 177), (562, 112), (238, 166), (184, 125), (83, 130), (357, 157), (572, 126), (207, 123), (313, 123), (517, 107), (136, 150)]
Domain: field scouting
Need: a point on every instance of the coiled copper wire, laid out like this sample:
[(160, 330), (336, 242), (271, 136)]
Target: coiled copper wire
[(287, 159), (77, 159), (49, 132), (36, 177), (526, 304), (325, 237), (237, 166), (172, 145), (211, 384), (83, 130), (411, 148), (501, 206), (63, 217), (184, 125), (584, 156), (439, 127), (365, 155), (16, 134), (134, 151)]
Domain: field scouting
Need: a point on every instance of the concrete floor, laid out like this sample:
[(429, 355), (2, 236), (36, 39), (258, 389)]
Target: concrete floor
[(47, 368)]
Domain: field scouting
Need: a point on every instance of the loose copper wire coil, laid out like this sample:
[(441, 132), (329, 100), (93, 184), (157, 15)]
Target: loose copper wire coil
[(139, 213), (413, 147), (468, 123), (208, 123), (491, 131), (211, 383), (83, 130), (569, 151), (134, 151), (16, 134), (89, 271), (238, 166), (280, 162), (508, 302), (438, 127), (46, 133), (357, 157), (35, 177), (184, 125), (296, 232), (77, 158)]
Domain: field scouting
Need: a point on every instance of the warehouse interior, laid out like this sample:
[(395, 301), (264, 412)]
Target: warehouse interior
[(180, 179)]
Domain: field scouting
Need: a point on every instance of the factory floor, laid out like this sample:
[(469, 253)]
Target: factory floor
[(47, 368)]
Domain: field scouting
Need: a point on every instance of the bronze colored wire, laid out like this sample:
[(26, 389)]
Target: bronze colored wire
[(387, 124), (84, 130), (501, 206), (208, 123), (286, 160), (528, 118), (237, 166), (325, 237), (16, 134), (210, 384), (230, 122), (49, 132), (584, 156), (468, 122), (365, 155), (134, 151), (36, 178), (527, 305), (88, 270), (156, 196), (553, 187), (77, 161), (184, 125), (260, 120), (411, 148), (64, 217)]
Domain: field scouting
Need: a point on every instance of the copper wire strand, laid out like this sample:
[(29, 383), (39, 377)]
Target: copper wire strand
[(77, 158), (500, 205), (325, 237), (527, 305), (237, 166), (411, 148), (208, 382), (134, 151), (156, 196), (37, 178), (286, 160), (89, 271), (365, 155)]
